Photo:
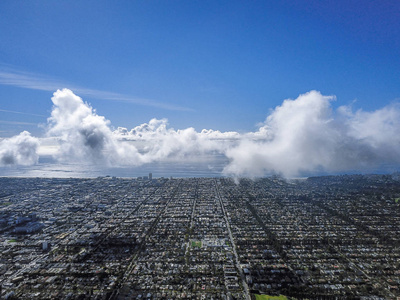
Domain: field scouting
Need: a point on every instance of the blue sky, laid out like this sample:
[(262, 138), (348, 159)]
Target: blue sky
[(203, 64)]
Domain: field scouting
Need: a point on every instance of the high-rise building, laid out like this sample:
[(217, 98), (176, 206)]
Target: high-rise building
[(150, 176), (45, 245)]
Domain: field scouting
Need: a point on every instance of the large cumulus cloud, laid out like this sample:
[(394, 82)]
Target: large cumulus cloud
[(305, 136), (161, 143), (302, 136), (85, 136), (19, 150)]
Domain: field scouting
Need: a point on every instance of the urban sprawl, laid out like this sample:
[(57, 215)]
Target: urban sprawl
[(331, 237)]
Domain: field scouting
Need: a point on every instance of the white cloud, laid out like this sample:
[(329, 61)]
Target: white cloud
[(19, 150), (84, 135), (298, 135), (301, 136), (305, 136), (27, 80), (20, 113), (160, 142), (379, 128)]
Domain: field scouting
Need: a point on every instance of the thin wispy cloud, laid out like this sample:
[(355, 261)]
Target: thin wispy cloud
[(18, 123), (21, 113), (28, 80)]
